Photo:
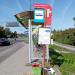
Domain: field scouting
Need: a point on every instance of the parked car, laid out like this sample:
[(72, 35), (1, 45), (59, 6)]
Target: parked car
[(4, 41)]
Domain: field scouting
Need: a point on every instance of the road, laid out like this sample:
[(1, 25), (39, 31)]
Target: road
[(68, 47), (15, 61), (7, 51)]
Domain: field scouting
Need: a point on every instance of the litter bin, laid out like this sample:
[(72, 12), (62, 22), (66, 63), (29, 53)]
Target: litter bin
[(36, 69)]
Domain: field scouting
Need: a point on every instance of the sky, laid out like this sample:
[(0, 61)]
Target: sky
[(63, 12)]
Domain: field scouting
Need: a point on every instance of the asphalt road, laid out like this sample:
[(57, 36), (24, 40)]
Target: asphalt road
[(7, 51), (68, 47)]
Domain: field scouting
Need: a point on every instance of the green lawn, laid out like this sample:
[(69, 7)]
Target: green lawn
[(67, 67)]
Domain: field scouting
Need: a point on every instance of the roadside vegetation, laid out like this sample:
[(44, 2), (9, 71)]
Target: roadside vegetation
[(65, 61), (66, 36), (6, 33)]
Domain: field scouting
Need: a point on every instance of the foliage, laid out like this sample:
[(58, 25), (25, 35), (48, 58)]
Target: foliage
[(13, 35), (5, 32), (2, 32), (68, 65), (56, 58), (65, 37)]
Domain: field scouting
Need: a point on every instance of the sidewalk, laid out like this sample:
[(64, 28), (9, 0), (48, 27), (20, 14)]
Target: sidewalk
[(15, 64), (57, 72)]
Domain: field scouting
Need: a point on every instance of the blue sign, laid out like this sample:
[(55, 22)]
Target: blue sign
[(39, 15)]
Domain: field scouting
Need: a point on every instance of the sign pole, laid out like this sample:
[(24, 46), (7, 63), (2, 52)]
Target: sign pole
[(46, 19), (47, 52), (44, 47), (29, 22), (43, 58)]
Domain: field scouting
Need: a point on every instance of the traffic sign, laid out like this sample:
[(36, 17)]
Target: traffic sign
[(47, 13), (39, 15)]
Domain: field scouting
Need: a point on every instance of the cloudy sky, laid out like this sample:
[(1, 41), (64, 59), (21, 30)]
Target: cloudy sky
[(63, 11)]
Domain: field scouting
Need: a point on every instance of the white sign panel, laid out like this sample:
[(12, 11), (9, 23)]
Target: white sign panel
[(44, 36), (39, 15)]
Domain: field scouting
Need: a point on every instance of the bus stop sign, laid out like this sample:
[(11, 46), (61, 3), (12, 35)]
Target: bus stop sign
[(48, 13)]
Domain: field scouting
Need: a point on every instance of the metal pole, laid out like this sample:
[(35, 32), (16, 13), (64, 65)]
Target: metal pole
[(44, 48), (31, 42), (47, 50), (29, 22)]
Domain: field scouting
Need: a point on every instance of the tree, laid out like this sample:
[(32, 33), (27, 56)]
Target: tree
[(66, 36), (74, 21), (15, 34), (2, 32), (7, 32)]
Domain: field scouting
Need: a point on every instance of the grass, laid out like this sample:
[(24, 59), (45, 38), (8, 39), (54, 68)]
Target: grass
[(58, 48), (68, 65)]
